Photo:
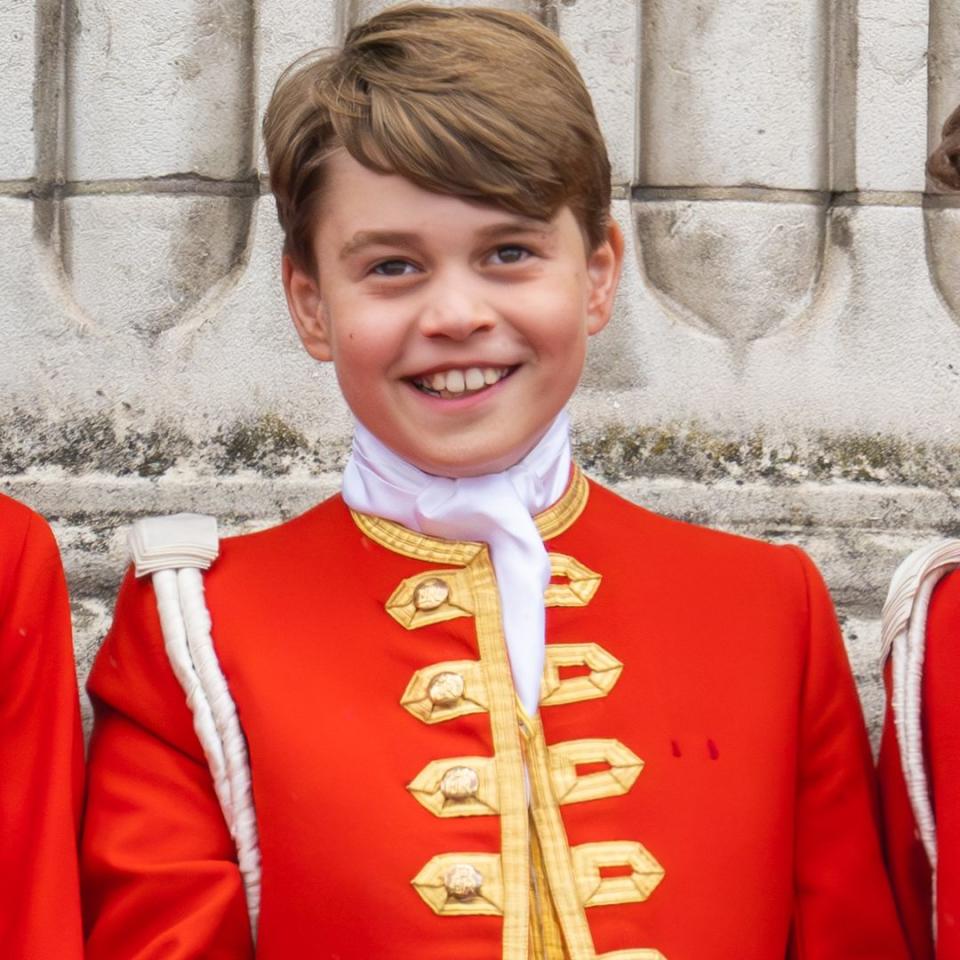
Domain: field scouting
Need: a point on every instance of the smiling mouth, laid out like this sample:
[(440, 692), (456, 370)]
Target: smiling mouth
[(452, 384)]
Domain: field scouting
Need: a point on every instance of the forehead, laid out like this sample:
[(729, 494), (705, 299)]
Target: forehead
[(360, 206), (359, 200)]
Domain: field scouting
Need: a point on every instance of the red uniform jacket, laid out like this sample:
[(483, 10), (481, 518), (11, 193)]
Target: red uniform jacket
[(41, 749), (909, 866), (699, 782)]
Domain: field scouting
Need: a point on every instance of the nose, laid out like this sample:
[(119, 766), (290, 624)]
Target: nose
[(456, 309)]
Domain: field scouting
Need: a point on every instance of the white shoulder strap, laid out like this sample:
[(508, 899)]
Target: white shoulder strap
[(903, 635), (175, 550)]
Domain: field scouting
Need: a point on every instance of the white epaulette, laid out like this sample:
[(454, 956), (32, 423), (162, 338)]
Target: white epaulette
[(174, 551), (903, 636)]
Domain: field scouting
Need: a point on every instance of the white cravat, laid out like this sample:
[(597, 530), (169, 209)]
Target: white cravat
[(496, 509)]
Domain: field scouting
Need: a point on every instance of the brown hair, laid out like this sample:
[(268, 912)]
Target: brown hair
[(478, 103), (944, 163)]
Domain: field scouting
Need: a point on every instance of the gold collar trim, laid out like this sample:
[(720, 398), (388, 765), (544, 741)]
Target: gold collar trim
[(551, 523)]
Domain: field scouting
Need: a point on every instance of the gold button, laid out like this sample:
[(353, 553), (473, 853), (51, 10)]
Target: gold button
[(463, 881), (460, 783), (445, 689), (431, 594)]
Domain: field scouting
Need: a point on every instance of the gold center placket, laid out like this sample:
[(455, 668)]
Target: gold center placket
[(553, 845), (508, 755)]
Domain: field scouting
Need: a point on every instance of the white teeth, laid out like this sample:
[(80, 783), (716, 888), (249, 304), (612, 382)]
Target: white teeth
[(456, 382)]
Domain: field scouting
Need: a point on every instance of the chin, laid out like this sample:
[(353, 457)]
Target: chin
[(468, 464)]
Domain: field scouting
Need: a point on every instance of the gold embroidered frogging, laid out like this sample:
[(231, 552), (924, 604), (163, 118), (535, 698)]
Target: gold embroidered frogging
[(537, 883)]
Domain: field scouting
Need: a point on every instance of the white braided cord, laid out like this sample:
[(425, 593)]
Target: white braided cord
[(903, 636), (186, 626), (241, 818), (167, 590)]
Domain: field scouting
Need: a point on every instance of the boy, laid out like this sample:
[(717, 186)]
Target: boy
[(492, 710), (41, 751)]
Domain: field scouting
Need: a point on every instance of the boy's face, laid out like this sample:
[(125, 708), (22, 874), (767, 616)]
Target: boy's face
[(458, 330)]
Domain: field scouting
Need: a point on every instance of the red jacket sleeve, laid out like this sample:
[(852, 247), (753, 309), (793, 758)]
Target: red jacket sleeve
[(41, 749), (843, 909), (159, 867)]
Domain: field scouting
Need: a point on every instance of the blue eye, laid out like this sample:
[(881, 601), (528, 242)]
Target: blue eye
[(512, 253), (393, 268)]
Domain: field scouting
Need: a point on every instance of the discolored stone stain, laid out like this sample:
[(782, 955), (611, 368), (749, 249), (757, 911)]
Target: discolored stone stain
[(210, 248), (111, 444), (841, 234), (266, 444), (689, 452), (188, 68), (94, 443)]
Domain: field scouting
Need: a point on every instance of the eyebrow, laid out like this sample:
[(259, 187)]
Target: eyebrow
[(399, 238)]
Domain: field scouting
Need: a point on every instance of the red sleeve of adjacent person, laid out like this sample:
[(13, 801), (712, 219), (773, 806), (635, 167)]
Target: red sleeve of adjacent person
[(919, 902), (41, 751)]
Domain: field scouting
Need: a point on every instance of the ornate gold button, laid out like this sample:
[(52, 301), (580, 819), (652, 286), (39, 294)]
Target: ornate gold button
[(445, 689), (460, 783), (431, 594), (463, 881)]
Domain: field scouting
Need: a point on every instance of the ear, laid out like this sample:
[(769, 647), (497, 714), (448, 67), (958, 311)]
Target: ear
[(603, 269), (307, 309)]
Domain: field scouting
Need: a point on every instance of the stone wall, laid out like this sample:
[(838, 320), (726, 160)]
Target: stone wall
[(785, 357)]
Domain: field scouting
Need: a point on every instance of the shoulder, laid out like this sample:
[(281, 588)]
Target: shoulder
[(19, 523), (327, 524), (947, 592), (27, 547), (14, 515), (944, 618)]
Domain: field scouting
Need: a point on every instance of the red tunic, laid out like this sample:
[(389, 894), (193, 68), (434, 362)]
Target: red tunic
[(700, 785), (909, 866), (41, 749)]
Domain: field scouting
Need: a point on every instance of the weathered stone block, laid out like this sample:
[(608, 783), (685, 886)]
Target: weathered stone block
[(891, 117), (160, 89), (734, 93), (602, 35), (18, 44), (139, 265), (864, 351), (735, 270)]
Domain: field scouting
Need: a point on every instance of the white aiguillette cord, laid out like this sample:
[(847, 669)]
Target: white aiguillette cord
[(174, 551), (496, 509)]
